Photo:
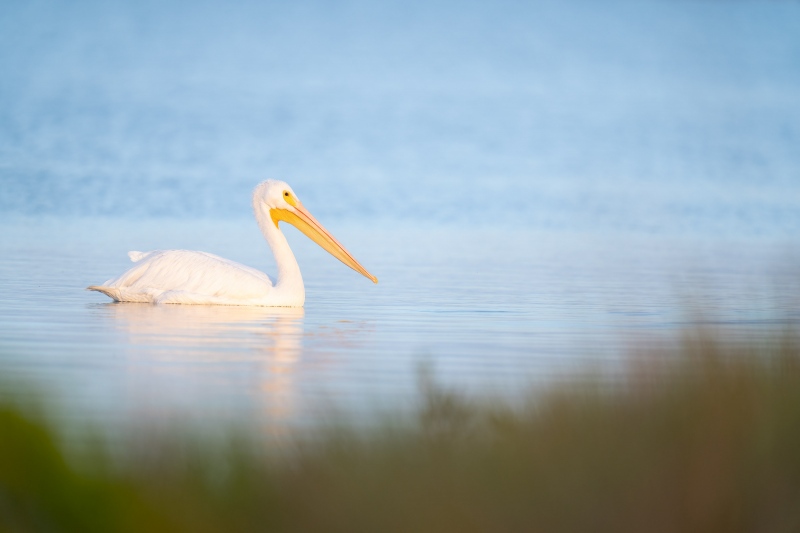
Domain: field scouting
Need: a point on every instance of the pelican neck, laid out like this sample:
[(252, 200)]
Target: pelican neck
[(289, 276)]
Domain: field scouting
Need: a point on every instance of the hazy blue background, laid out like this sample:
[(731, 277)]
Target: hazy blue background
[(536, 184), (665, 116)]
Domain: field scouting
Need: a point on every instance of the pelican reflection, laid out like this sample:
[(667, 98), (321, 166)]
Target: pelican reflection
[(212, 356)]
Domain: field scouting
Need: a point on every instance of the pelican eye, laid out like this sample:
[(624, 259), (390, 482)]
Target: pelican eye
[(290, 198)]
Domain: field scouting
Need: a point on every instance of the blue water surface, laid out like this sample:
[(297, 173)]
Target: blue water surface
[(538, 185)]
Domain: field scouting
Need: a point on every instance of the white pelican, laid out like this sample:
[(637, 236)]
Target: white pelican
[(184, 277)]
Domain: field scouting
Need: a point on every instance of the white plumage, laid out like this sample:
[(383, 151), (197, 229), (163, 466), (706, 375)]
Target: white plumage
[(187, 277)]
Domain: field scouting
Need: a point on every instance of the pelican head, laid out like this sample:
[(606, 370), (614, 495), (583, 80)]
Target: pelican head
[(283, 205)]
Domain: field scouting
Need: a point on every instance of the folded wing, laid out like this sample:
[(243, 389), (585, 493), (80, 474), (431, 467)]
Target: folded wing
[(196, 277)]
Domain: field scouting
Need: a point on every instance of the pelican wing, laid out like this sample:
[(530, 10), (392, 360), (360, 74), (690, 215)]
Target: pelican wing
[(183, 276)]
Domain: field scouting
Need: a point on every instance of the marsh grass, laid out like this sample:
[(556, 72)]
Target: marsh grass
[(705, 437)]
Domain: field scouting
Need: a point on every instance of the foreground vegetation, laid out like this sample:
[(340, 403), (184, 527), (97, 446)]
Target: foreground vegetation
[(704, 438)]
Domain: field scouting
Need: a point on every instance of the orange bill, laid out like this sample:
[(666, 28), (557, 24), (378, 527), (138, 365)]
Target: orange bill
[(302, 220)]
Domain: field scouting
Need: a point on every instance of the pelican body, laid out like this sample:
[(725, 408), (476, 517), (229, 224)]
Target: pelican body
[(187, 277)]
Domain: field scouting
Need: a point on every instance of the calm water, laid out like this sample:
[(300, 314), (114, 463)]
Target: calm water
[(537, 186)]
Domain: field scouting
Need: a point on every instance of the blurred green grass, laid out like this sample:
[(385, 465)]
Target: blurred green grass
[(702, 437)]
